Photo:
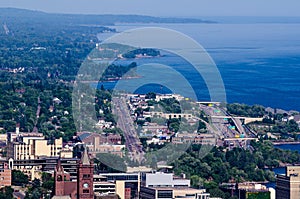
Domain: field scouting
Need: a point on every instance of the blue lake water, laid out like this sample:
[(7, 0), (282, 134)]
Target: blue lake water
[(281, 170), (259, 62), (293, 147)]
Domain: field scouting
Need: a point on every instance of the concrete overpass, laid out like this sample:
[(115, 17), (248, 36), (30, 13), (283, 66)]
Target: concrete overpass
[(237, 139), (246, 119), (171, 115), (237, 122), (217, 103)]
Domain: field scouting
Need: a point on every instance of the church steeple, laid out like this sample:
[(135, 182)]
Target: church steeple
[(59, 168), (59, 179), (85, 177), (85, 160)]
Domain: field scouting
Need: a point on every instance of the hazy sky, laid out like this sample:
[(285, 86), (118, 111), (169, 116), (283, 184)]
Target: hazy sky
[(164, 7)]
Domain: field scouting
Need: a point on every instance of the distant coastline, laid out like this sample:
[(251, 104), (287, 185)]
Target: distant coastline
[(93, 19)]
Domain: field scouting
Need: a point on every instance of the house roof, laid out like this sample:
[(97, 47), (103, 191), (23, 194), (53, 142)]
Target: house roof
[(19, 195), (84, 136), (297, 118)]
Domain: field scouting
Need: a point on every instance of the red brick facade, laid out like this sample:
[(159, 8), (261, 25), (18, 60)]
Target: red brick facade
[(80, 189), (85, 178)]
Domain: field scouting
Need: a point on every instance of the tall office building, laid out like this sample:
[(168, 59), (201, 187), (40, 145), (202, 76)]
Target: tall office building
[(32, 146)]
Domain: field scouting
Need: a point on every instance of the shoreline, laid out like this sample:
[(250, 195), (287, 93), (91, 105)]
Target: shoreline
[(287, 142), (111, 80)]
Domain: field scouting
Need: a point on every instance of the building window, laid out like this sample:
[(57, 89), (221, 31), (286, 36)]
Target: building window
[(86, 191), (59, 178), (86, 176), (165, 194)]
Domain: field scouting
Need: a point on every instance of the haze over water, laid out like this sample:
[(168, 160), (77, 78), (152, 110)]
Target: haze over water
[(259, 62)]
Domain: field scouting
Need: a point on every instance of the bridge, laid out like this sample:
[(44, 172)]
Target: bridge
[(237, 121), (237, 139), (246, 119), (171, 115), (239, 125), (217, 103)]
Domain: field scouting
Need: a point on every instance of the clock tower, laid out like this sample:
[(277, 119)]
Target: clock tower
[(85, 177)]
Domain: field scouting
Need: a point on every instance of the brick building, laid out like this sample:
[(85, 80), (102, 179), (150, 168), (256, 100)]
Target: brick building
[(64, 187), (5, 175)]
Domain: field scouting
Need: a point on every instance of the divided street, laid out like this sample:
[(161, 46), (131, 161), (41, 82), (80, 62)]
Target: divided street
[(126, 124)]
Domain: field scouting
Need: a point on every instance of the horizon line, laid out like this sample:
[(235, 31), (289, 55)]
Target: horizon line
[(158, 16)]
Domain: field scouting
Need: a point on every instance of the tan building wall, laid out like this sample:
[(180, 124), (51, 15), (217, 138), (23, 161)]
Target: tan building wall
[(288, 186), (187, 192), (294, 180), (65, 153), (106, 148), (294, 187), (41, 148), (120, 188), (3, 137), (176, 192), (291, 170), (34, 147)]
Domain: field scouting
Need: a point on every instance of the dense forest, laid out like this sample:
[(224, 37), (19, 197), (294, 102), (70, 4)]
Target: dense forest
[(38, 65), (246, 110)]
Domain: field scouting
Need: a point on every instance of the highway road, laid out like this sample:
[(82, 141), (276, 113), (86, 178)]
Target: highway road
[(222, 126), (126, 124)]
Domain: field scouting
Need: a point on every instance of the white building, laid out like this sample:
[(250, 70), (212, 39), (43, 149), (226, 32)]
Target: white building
[(160, 179)]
